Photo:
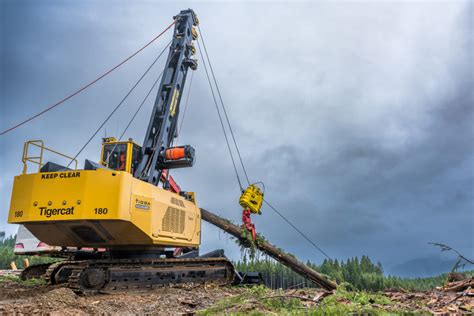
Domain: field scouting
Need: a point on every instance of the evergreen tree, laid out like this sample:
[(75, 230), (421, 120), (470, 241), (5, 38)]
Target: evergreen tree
[(361, 274)]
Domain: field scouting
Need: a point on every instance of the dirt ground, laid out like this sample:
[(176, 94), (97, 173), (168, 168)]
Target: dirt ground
[(19, 298), (16, 298)]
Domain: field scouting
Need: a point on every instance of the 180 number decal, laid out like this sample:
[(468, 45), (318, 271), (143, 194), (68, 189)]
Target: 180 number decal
[(101, 210), (18, 213)]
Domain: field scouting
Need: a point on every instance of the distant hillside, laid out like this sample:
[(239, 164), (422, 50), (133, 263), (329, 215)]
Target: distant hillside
[(423, 267)]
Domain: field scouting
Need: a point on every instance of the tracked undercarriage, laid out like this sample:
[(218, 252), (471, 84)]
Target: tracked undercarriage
[(113, 275)]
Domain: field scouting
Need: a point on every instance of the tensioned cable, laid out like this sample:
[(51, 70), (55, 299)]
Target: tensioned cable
[(133, 117), (299, 231), (120, 103), (240, 157), (220, 117), (89, 84), (223, 106)]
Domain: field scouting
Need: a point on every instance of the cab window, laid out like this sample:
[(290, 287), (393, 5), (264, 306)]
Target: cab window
[(117, 159), (136, 153)]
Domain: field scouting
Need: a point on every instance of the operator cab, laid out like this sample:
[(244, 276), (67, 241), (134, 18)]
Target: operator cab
[(120, 156)]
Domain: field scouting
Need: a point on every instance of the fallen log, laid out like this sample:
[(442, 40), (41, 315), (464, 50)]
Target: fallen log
[(458, 286), (267, 248)]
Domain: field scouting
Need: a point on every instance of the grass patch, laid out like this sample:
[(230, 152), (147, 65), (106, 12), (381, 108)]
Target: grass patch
[(16, 279), (259, 300), (256, 300), (343, 302)]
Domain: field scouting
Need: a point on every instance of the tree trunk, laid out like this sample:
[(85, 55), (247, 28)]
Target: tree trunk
[(271, 250)]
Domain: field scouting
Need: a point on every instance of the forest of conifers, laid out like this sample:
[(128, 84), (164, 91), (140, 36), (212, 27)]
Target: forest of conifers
[(355, 273)]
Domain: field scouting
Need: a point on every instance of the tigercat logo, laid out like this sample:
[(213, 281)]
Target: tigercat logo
[(62, 175), (48, 212), (143, 205)]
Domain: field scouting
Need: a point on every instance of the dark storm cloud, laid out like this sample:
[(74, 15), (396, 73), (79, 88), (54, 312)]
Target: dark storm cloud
[(357, 116), (364, 190)]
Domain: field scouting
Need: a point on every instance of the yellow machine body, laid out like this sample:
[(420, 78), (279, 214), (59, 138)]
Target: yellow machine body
[(252, 198), (102, 208)]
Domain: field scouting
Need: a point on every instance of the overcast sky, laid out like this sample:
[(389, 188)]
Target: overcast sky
[(357, 116)]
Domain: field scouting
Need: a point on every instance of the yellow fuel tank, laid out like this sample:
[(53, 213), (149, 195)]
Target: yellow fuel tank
[(102, 208)]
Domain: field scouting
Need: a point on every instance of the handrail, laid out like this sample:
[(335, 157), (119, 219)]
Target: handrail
[(39, 159)]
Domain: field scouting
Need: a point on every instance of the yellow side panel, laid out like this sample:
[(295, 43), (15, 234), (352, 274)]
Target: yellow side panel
[(102, 208), (172, 218), (70, 195)]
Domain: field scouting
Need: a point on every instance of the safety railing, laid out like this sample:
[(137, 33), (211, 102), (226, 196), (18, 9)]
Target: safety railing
[(38, 160)]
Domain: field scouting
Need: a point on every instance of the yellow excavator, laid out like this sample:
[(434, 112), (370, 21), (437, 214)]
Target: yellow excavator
[(126, 207)]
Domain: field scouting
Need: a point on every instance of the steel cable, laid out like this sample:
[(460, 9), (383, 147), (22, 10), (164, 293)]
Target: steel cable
[(120, 103), (89, 84), (133, 117), (296, 228), (223, 106), (238, 151), (220, 117)]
